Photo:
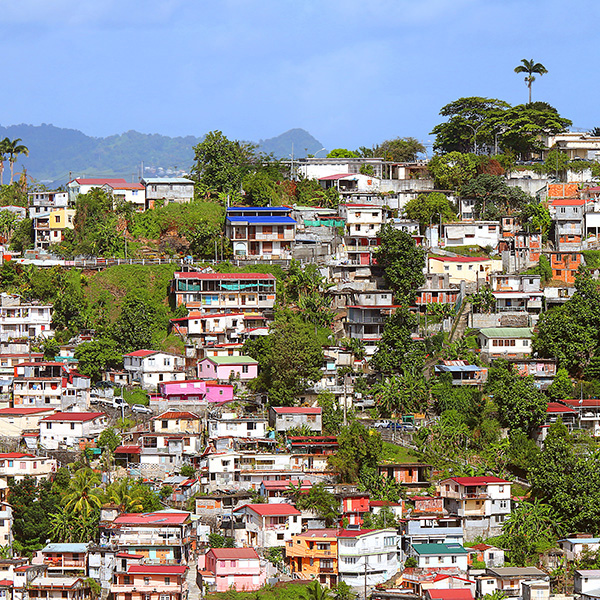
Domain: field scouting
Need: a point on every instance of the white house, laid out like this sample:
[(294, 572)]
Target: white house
[(150, 367), (20, 319), (577, 545), (132, 193), (18, 465), (16, 421), (268, 525), (229, 424), (586, 582), (475, 233), (436, 556), (498, 342), (367, 555), (483, 503), (6, 523), (66, 429)]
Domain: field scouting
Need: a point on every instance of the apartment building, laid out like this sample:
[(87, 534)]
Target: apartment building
[(261, 232), (224, 292), (151, 368), (160, 537), (367, 557), (267, 525), (483, 503), (313, 555), (282, 418), (363, 223), (15, 466), (65, 559), (67, 429), (20, 319), (151, 582), (475, 233), (45, 202), (568, 217)]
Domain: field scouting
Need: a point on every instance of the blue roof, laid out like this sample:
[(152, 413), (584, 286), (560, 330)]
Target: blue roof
[(266, 220), (78, 548), (259, 208), (458, 368)]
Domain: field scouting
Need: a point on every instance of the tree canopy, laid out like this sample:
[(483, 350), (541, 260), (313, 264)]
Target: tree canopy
[(433, 207)]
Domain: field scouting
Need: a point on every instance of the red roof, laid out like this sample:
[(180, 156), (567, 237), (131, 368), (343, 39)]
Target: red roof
[(131, 449), (17, 411), (233, 553), (158, 569), (338, 176), (555, 407), (589, 402), (126, 186), (459, 259), (354, 532), (97, 181), (441, 577), (478, 480), (173, 414), (6, 582), (384, 503), (16, 455), (481, 547), (142, 353), (361, 206), (455, 594), (155, 518), (266, 510), (192, 275), (568, 202), (74, 416), (284, 484), (127, 555), (298, 410)]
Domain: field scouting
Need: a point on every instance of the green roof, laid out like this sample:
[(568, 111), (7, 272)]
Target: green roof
[(507, 332), (232, 360), (439, 549)]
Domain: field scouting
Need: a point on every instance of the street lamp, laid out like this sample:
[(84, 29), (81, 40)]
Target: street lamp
[(317, 152), (475, 130)]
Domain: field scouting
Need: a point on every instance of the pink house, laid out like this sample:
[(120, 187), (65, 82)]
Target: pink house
[(234, 567), (190, 392), (228, 368), (151, 582)]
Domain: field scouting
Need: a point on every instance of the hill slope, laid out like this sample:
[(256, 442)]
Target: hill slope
[(55, 153)]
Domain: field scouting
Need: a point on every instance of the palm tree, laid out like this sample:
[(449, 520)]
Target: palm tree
[(121, 494), (3, 152), (317, 592), (61, 522), (82, 495), (530, 67), (13, 149)]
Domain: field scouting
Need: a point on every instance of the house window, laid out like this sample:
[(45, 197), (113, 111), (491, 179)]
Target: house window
[(244, 368), (126, 580), (72, 425), (167, 581), (165, 424), (146, 580)]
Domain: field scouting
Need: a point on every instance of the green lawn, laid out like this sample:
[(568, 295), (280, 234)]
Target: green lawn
[(397, 454)]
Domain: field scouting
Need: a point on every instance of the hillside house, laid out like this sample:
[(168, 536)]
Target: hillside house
[(66, 559), (234, 568), (151, 582), (228, 369), (313, 555), (268, 525), (168, 189), (151, 368), (474, 233), (188, 394), (224, 292), (67, 429), (483, 503), (464, 268), (505, 342), (20, 319), (261, 232), (367, 555), (282, 418), (14, 422), (440, 556)]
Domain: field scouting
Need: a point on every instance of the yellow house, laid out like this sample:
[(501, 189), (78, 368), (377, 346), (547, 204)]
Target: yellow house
[(465, 268), (59, 220)]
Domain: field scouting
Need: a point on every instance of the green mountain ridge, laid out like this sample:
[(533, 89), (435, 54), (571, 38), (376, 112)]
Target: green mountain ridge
[(56, 154)]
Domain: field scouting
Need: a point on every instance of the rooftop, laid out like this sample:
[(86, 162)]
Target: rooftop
[(207, 276), (298, 410), (74, 416), (155, 518), (158, 569), (423, 549), (466, 481), (507, 332), (265, 510), (233, 553)]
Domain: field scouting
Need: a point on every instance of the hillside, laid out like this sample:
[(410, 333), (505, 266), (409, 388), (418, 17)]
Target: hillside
[(55, 153)]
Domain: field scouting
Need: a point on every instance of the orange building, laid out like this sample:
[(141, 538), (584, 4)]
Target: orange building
[(564, 265), (151, 582), (313, 555)]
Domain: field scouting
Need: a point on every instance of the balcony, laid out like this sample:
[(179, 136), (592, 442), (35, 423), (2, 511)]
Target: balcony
[(59, 563)]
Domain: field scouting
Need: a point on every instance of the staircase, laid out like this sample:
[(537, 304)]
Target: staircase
[(192, 574), (461, 322)]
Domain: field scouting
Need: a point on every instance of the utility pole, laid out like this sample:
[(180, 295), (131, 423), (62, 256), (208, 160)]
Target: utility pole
[(366, 558)]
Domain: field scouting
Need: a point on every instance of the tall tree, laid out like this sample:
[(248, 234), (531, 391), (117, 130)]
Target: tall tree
[(13, 148), (530, 67), (402, 263), (220, 164), (433, 207), (82, 496), (3, 152)]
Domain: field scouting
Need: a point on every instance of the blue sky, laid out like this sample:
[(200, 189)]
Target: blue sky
[(351, 72)]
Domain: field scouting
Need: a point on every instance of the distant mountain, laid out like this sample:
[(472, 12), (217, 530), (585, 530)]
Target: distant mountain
[(56, 153), (297, 140)]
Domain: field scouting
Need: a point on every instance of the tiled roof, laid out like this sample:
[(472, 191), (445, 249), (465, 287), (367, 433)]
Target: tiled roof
[(74, 416), (16, 455), (556, 407), (141, 353), (233, 553), (478, 480), (17, 411), (131, 449), (460, 259), (173, 414), (99, 181), (265, 510), (159, 518), (452, 594)]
